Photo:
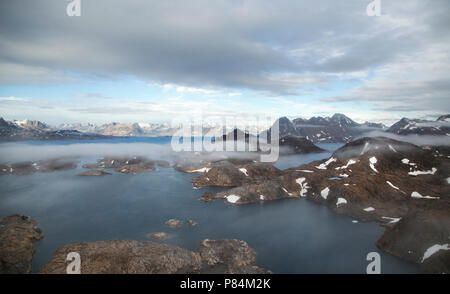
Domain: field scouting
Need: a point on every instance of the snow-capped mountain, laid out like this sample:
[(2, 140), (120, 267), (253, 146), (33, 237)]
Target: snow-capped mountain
[(406, 126), (35, 130), (336, 129)]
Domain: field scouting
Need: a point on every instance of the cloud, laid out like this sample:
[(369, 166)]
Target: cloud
[(397, 62), (12, 99)]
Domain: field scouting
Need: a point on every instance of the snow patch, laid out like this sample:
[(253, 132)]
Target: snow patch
[(369, 209), (232, 198), (200, 170), (390, 184), (244, 171), (261, 197), (324, 193), (304, 170), (392, 148), (366, 146), (341, 201), (350, 162), (417, 195), (326, 163), (392, 220), (419, 172), (373, 160), (406, 161), (304, 187), (433, 249), (343, 175)]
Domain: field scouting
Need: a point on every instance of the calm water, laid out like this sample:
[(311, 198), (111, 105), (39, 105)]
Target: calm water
[(289, 236)]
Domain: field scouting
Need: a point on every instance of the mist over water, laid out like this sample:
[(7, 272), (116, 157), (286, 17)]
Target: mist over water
[(289, 236)]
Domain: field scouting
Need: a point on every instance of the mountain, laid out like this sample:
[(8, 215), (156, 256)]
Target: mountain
[(35, 130), (31, 124), (123, 129), (444, 118), (336, 129), (407, 126)]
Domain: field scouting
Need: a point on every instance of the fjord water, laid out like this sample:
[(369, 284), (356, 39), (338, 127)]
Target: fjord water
[(289, 236)]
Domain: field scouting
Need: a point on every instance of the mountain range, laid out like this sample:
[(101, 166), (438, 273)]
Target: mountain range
[(335, 129)]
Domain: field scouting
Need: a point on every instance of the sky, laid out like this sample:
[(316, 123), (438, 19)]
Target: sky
[(151, 61)]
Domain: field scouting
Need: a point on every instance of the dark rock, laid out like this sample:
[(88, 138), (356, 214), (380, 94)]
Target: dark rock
[(17, 234)]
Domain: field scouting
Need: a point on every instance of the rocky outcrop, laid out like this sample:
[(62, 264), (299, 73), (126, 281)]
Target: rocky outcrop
[(174, 223), (49, 165), (136, 168), (91, 173), (17, 234), (126, 257), (235, 255), (227, 174), (128, 165), (134, 257), (159, 235), (59, 164)]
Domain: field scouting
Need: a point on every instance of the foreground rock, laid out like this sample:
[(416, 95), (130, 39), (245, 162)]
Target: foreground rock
[(421, 236), (126, 257), (134, 257), (93, 173), (17, 234)]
